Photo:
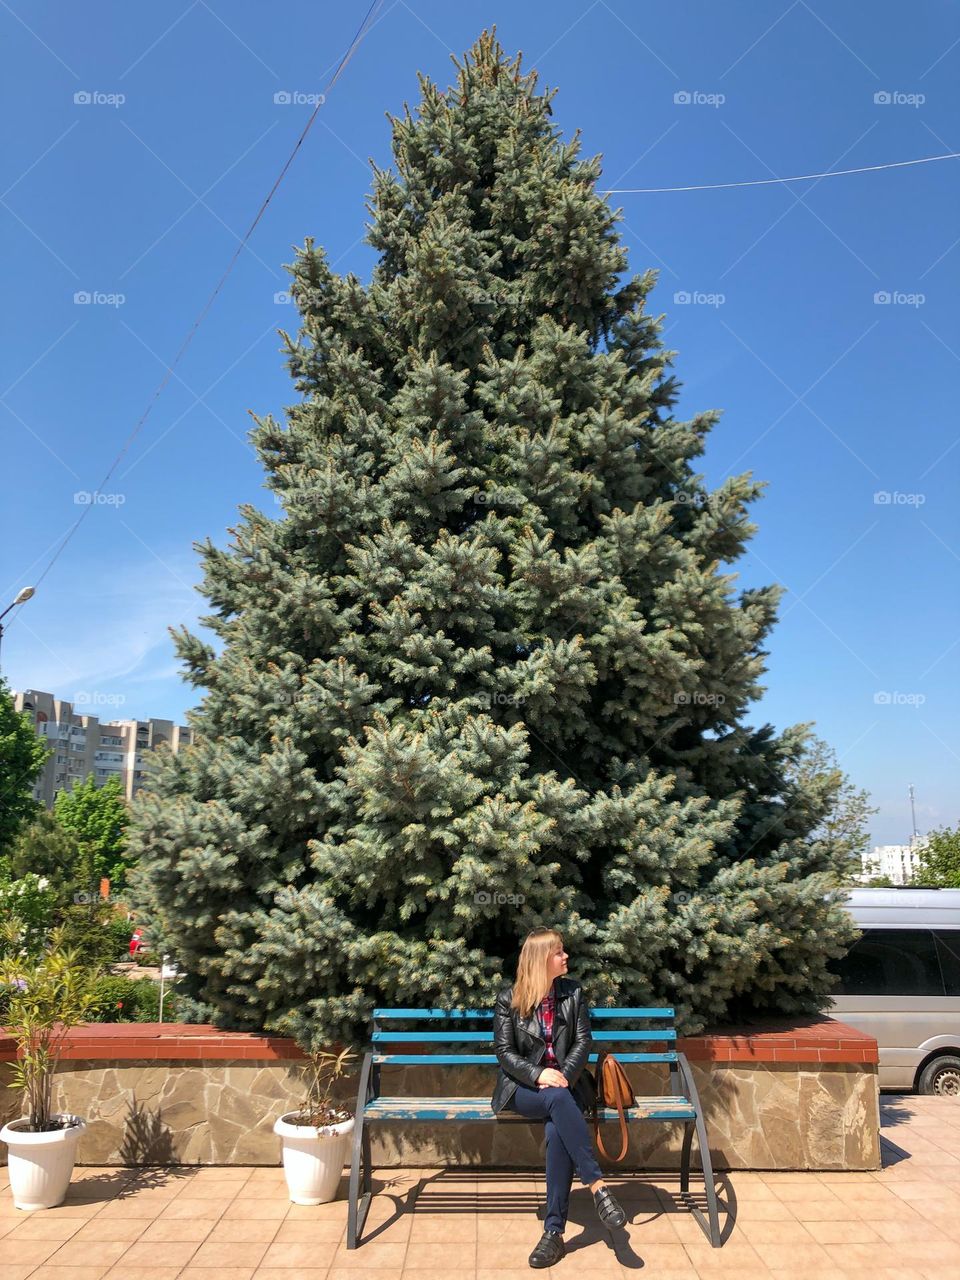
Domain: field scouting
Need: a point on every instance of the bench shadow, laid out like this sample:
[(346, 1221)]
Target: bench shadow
[(644, 1203), (456, 1191), (891, 1154)]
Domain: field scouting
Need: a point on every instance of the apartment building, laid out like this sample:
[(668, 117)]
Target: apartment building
[(82, 745), (898, 861)]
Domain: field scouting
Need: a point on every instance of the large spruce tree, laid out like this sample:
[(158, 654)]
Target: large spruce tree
[(483, 668)]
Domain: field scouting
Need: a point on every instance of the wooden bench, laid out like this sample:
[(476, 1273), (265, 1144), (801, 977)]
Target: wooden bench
[(680, 1105)]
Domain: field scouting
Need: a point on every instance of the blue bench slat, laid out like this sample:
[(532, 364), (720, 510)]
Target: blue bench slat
[(490, 1059), (488, 1013), (668, 1107), (433, 1013), (442, 1037), (630, 1013)]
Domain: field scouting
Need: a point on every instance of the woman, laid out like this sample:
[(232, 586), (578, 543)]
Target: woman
[(541, 1033)]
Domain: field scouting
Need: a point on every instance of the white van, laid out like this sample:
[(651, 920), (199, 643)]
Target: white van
[(900, 982)]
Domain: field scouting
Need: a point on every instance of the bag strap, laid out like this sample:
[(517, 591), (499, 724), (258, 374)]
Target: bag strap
[(624, 1134)]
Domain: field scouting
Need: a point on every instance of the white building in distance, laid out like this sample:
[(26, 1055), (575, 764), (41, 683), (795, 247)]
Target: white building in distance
[(897, 861)]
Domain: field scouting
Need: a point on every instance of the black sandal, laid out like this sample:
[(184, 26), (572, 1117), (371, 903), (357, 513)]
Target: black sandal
[(609, 1209), (549, 1250)]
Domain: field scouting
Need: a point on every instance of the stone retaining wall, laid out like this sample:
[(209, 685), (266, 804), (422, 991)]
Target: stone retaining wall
[(776, 1096)]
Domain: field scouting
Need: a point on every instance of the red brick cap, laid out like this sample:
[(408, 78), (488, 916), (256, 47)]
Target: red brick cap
[(812, 1040)]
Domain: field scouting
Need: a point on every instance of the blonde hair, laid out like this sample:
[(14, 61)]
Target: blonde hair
[(531, 983)]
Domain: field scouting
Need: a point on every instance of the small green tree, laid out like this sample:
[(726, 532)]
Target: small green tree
[(320, 1075), (44, 997), (938, 866), (45, 847), (845, 826), (97, 816), (95, 930), (22, 757)]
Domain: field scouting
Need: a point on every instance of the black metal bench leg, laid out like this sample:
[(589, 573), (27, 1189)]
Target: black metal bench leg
[(361, 1182), (359, 1203), (685, 1157), (711, 1229)]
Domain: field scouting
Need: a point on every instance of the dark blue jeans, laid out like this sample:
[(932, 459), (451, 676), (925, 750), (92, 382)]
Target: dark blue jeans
[(569, 1145)]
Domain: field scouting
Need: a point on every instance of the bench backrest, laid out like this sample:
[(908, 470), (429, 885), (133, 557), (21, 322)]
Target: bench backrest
[(385, 1033)]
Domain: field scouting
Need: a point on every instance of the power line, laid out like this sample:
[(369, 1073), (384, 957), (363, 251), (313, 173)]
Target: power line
[(764, 182), (361, 32)]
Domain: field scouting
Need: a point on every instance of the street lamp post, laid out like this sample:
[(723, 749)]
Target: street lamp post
[(22, 597)]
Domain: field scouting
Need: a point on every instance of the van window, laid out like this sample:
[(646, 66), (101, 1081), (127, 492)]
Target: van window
[(890, 962), (948, 949)]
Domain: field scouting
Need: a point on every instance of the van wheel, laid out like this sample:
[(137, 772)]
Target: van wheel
[(941, 1076)]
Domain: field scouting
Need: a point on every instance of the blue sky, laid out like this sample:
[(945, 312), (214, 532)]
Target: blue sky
[(830, 395)]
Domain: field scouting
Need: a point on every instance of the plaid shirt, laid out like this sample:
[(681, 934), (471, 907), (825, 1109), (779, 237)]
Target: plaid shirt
[(545, 1014)]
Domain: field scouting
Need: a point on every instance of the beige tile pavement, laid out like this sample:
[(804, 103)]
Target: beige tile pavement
[(900, 1221)]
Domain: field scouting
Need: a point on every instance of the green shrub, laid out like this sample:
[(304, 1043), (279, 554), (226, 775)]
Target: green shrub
[(30, 903), (85, 926), (148, 1002), (132, 1000), (97, 931), (118, 999), (120, 931)]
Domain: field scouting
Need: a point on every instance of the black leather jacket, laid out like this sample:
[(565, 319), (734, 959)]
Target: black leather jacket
[(519, 1045)]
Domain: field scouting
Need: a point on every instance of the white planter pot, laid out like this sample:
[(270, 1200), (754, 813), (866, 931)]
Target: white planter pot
[(40, 1164), (313, 1159)]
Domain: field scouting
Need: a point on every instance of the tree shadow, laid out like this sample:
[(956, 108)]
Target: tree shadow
[(146, 1139)]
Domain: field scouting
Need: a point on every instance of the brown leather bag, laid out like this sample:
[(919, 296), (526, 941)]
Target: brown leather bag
[(613, 1089)]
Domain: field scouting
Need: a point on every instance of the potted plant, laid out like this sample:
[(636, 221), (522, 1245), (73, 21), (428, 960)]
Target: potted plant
[(41, 997), (314, 1139)]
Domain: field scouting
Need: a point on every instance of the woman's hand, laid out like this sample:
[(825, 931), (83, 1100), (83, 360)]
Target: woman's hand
[(549, 1076)]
